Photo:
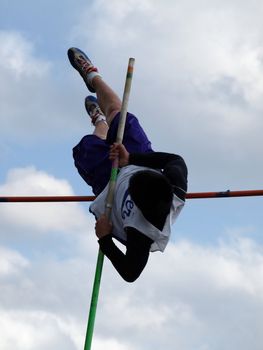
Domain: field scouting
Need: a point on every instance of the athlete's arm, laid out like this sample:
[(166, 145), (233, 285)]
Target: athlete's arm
[(131, 264), (173, 167)]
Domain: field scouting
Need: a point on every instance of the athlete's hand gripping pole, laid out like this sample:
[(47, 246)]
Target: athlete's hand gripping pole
[(108, 205)]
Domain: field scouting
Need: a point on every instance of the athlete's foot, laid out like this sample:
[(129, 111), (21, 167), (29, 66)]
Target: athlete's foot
[(94, 111), (80, 61)]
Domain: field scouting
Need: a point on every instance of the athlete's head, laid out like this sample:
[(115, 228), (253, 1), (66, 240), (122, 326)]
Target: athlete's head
[(151, 192)]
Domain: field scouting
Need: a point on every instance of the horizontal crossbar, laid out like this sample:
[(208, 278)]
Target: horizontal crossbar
[(194, 195)]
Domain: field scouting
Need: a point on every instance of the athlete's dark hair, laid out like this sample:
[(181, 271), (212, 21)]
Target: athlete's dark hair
[(152, 193)]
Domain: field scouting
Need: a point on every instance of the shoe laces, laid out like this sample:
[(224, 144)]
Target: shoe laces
[(86, 67), (94, 112)]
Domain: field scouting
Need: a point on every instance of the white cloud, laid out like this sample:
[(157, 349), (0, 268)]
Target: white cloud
[(198, 74), (188, 44), (36, 217), (34, 96), (21, 330), (197, 89), (37, 330), (17, 57), (109, 344), (29, 181), (191, 297), (11, 262), (213, 293), (41, 330), (205, 92)]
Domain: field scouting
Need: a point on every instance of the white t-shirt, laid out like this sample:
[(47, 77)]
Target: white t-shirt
[(126, 214)]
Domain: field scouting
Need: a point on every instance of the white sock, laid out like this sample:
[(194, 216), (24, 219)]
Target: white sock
[(101, 118), (90, 76)]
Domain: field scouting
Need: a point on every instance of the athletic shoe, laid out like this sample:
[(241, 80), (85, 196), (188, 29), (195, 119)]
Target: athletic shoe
[(80, 61), (93, 109)]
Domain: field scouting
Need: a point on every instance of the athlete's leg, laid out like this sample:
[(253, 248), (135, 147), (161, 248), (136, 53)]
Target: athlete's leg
[(97, 117), (101, 130), (108, 100)]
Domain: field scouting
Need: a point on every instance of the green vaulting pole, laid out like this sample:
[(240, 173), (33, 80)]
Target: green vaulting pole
[(108, 206)]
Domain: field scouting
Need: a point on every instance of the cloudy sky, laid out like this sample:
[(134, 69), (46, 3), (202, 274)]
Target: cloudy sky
[(197, 89)]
